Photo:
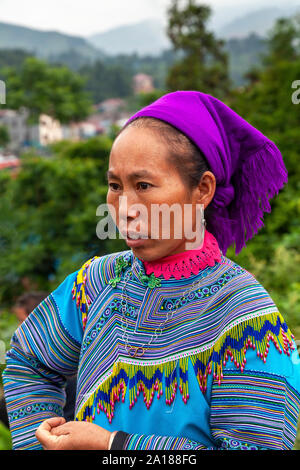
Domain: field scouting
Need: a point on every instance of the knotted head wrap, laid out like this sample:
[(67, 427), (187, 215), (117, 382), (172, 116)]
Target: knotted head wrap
[(248, 167)]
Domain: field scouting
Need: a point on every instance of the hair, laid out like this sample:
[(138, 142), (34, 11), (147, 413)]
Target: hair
[(30, 300), (183, 154)]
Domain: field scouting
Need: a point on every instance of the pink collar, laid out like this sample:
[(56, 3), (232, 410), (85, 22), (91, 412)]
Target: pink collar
[(187, 262)]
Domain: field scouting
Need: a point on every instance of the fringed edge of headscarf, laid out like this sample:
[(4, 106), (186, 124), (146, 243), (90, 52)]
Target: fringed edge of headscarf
[(262, 175), (259, 178)]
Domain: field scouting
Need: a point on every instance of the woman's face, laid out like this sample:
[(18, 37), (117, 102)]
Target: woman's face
[(140, 173)]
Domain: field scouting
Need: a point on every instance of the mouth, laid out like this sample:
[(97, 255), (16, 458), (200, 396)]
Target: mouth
[(134, 239), (135, 236)]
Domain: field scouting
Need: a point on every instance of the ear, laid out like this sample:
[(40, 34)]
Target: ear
[(204, 192)]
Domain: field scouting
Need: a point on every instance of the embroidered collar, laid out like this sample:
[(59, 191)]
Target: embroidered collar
[(188, 262)]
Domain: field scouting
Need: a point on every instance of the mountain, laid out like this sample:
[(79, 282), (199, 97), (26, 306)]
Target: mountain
[(143, 38), (46, 44), (149, 37), (258, 22)]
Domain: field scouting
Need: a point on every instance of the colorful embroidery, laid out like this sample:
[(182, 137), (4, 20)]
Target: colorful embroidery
[(233, 444), (143, 442), (255, 333), (79, 291), (228, 313), (249, 319), (155, 442), (47, 408)]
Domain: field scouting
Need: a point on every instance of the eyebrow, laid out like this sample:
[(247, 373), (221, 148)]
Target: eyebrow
[(134, 175)]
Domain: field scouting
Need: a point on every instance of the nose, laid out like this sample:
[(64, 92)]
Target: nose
[(127, 212), (127, 209)]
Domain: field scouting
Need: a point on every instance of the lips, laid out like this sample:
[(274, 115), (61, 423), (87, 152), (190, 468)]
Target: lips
[(135, 235)]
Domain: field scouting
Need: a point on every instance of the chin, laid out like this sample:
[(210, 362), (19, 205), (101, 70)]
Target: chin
[(143, 253), (151, 253)]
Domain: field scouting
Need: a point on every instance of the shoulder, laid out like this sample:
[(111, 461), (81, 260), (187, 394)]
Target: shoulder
[(246, 318), (93, 276), (241, 296)]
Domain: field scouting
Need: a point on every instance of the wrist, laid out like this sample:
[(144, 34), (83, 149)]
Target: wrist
[(112, 435)]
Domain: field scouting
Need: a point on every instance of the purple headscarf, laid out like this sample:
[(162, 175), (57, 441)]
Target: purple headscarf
[(248, 167)]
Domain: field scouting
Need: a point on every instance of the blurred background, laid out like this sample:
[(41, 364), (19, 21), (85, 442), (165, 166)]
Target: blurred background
[(73, 72)]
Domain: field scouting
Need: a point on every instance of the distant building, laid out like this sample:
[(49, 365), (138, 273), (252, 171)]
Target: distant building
[(142, 83), (110, 106), (50, 130), (82, 130), (109, 112), (22, 135)]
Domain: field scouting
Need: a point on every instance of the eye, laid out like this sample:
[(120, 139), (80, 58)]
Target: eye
[(113, 186), (142, 184)]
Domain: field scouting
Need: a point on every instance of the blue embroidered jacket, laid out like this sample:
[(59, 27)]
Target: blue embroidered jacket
[(223, 373)]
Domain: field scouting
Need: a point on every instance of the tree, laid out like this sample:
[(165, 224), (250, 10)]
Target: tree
[(43, 88), (284, 41), (204, 65), (107, 81)]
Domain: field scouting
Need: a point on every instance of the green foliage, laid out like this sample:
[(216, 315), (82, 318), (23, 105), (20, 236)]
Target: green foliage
[(8, 324), (96, 148), (12, 58), (204, 66), (244, 54), (48, 217), (283, 41), (107, 80), (5, 438), (144, 99), (273, 255), (4, 136), (43, 88)]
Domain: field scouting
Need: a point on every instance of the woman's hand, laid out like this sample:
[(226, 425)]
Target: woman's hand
[(57, 434)]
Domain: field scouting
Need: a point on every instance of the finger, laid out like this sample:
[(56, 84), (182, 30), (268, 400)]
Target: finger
[(61, 430), (43, 431), (56, 421)]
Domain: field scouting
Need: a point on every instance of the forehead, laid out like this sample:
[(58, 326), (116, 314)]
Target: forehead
[(140, 142)]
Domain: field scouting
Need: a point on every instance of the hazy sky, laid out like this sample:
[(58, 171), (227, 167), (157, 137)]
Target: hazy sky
[(84, 17)]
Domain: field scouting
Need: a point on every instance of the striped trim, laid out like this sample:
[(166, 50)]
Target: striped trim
[(255, 407), (154, 442)]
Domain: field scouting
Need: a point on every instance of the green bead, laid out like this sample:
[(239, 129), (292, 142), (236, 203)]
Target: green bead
[(114, 281), (151, 280)]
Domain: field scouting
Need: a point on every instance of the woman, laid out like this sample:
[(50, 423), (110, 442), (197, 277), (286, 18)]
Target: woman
[(176, 346)]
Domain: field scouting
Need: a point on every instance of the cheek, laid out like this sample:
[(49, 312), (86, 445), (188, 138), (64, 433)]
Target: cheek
[(112, 200)]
